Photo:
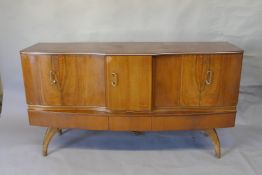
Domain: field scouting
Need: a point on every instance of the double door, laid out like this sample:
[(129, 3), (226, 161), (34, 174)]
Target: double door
[(197, 80), (140, 83)]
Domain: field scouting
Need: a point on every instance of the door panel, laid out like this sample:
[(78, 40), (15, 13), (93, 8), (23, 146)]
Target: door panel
[(132, 76), (167, 80), (64, 80), (231, 78), (223, 88), (212, 79), (191, 72)]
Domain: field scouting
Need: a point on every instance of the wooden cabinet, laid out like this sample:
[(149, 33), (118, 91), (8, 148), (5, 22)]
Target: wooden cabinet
[(132, 86)]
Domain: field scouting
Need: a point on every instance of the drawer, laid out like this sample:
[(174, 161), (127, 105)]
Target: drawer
[(130, 123), (68, 120), (188, 122)]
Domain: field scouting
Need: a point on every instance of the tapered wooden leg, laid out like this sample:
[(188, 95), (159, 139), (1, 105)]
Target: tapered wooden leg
[(215, 140), (50, 132)]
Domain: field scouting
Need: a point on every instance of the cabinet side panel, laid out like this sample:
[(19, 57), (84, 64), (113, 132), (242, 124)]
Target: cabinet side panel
[(166, 80), (231, 78)]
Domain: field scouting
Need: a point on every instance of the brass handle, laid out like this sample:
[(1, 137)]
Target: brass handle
[(52, 77), (209, 77), (114, 79)]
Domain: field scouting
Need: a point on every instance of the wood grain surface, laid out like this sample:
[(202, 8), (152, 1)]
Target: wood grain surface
[(134, 76), (80, 79), (133, 48), (153, 91)]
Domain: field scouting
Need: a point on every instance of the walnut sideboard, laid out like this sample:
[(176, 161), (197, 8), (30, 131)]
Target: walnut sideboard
[(135, 86)]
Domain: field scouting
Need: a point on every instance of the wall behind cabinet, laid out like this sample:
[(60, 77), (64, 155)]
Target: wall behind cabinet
[(26, 22)]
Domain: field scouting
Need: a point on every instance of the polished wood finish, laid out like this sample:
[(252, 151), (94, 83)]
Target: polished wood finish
[(184, 77), (167, 78), (191, 69), (50, 132), (189, 122), (134, 76), (215, 141), (80, 80), (68, 120), (133, 48), (226, 70), (130, 123), (132, 86)]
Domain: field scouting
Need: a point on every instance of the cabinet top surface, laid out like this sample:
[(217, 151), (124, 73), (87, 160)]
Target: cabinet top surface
[(133, 48)]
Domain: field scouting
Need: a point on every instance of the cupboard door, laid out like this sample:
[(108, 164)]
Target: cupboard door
[(191, 74), (167, 80), (38, 87), (129, 82), (64, 80), (221, 79), (211, 81)]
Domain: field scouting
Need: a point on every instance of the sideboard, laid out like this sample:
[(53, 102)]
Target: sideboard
[(132, 86)]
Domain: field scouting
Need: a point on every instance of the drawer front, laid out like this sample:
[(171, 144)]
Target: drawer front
[(68, 120), (186, 122), (130, 123), (76, 80)]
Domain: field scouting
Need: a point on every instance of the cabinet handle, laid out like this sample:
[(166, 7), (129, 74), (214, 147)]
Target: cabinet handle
[(209, 77), (114, 79), (52, 77)]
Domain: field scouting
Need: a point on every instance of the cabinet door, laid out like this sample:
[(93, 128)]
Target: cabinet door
[(167, 80), (64, 80), (197, 80), (129, 82), (220, 80), (191, 75)]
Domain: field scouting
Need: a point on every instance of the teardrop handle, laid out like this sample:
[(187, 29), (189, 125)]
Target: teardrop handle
[(209, 77), (114, 81), (52, 77)]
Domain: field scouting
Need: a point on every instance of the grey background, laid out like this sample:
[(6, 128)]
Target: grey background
[(26, 22), (1, 95)]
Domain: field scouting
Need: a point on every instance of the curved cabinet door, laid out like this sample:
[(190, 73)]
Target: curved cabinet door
[(177, 80), (196, 80), (220, 80), (75, 80)]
